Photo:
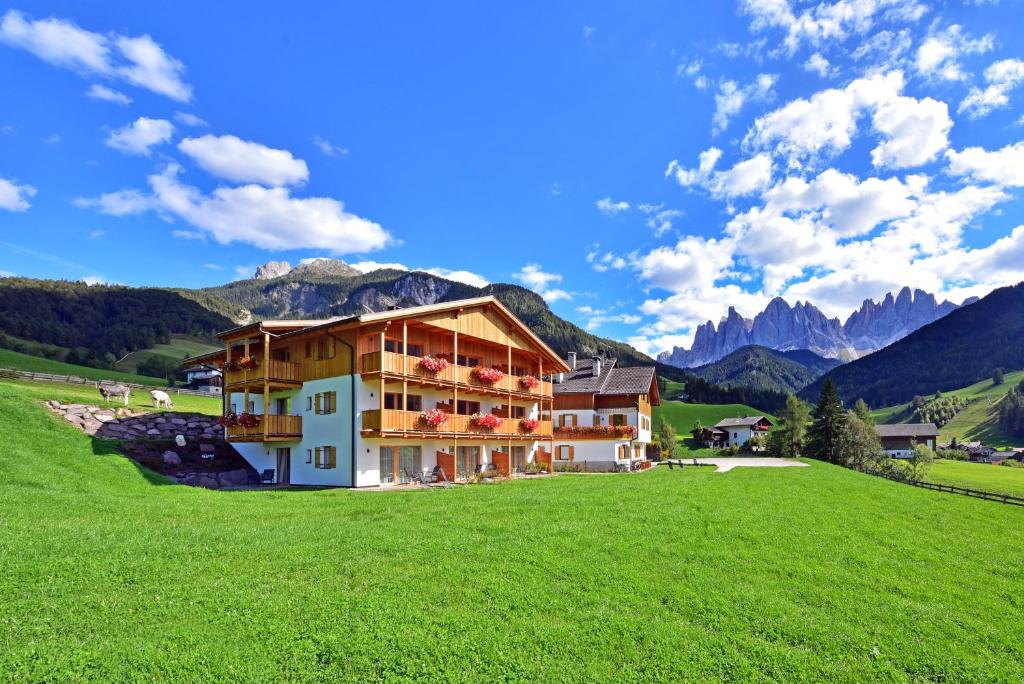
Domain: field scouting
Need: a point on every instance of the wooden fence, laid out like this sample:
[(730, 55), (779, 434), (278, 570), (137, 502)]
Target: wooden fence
[(75, 380), (953, 489)]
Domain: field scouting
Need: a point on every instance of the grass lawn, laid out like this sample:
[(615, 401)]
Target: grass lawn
[(983, 476), (975, 422), (790, 574), (37, 392), (179, 347), (682, 417), (36, 364)]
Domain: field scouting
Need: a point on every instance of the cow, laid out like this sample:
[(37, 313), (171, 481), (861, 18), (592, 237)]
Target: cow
[(160, 397), (111, 391)]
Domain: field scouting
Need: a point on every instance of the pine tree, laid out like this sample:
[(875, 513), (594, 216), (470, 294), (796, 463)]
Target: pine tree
[(826, 431), (863, 412)]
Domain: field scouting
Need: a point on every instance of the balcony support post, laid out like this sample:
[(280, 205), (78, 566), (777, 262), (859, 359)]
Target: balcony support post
[(405, 372), (245, 394), (266, 385)]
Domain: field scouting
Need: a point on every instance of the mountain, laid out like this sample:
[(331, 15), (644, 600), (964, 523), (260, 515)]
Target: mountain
[(803, 326), (956, 350), (766, 369)]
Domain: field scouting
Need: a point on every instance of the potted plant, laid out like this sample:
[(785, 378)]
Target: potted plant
[(487, 375), (528, 382), (248, 420), (433, 364), (485, 420), (248, 362), (434, 417), (228, 365), (229, 419), (529, 424)]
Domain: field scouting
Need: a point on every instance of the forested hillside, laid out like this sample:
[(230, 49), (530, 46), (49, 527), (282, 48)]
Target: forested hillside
[(954, 351), (762, 368)]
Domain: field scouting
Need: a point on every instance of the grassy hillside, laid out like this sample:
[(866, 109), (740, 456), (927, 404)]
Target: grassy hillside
[(37, 392), (19, 361), (178, 348), (682, 417), (983, 476), (978, 421), (819, 573)]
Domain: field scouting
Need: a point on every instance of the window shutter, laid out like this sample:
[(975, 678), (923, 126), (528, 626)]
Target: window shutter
[(317, 462), (334, 452), (334, 402), (572, 453)]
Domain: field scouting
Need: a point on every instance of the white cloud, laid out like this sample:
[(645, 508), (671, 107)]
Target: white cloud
[(370, 266), (137, 60), (97, 234), (466, 277), (1004, 167), (608, 261), (1002, 77), (730, 99), (140, 135), (269, 218), (14, 197), (595, 318), (609, 207), (238, 160), (189, 119), (534, 277), (92, 280), (659, 219), (744, 178), (938, 56), (100, 92), (328, 148), (52, 139), (816, 64), (119, 203), (914, 131)]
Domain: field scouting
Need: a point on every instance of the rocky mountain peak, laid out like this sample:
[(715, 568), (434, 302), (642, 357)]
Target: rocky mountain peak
[(271, 270), (325, 267)]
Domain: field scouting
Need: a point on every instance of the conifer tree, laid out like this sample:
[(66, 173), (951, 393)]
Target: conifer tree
[(826, 431)]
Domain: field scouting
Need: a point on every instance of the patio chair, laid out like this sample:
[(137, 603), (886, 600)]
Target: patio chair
[(438, 475), (267, 476)]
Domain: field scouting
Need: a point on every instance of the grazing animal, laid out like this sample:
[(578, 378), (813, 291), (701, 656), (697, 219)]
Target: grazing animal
[(161, 397), (111, 391)]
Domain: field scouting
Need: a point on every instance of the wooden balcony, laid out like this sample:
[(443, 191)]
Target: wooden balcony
[(408, 422), (279, 373), (402, 366), (619, 432), (272, 428)]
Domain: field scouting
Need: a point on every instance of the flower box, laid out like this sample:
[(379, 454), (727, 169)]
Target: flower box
[(229, 419), (228, 366), (528, 382), (529, 424), (485, 420), (433, 364), (248, 420), (434, 417), (487, 375), (248, 362)]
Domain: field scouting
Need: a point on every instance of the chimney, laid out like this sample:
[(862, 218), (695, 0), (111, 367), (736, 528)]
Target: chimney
[(559, 377), (597, 366), (572, 360)]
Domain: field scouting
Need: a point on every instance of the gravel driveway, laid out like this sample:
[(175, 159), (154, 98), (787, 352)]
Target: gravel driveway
[(726, 464)]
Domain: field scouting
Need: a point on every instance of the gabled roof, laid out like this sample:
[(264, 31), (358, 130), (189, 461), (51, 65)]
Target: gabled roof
[(741, 422), (612, 380), (907, 430)]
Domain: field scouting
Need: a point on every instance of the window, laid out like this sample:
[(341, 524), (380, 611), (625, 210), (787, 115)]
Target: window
[(468, 408), (309, 455), (392, 400), (564, 452), (252, 406), (309, 349), (399, 464), (393, 346), (469, 361), (567, 420), (320, 349), (518, 371), (413, 402), (517, 459), (309, 402), (597, 420), (326, 402), (467, 458), (326, 457), (234, 408), (282, 355), (518, 411), (414, 349), (618, 419)]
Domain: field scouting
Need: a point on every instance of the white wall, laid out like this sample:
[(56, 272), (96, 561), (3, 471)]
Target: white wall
[(585, 418)]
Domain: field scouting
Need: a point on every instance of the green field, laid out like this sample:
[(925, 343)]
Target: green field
[(976, 422), (179, 347), (983, 476), (36, 364), (820, 573), (682, 417), (38, 392)]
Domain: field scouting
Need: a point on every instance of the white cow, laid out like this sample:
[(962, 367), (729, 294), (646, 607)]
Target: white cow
[(161, 397)]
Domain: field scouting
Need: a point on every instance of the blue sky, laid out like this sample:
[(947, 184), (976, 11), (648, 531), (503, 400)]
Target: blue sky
[(641, 166)]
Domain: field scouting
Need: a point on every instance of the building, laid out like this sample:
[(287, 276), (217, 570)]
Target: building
[(900, 439), (713, 437), (602, 413), (739, 431), (204, 379), (377, 398)]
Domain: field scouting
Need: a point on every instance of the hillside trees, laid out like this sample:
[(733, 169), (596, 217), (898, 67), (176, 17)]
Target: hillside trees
[(826, 432), (1011, 412), (940, 410), (859, 445), (788, 440)]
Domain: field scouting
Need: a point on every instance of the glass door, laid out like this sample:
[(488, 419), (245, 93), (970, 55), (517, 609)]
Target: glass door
[(466, 460), (517, 459), (399, 464)]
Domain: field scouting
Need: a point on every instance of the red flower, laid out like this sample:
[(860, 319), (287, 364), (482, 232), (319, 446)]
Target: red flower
[(248, 362), (528, 381), (229, 419), (529, 424), (488, 375), (434, 417), (486, 420), (433, 364)]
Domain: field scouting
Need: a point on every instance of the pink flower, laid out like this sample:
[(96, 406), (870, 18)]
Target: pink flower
[(434, 417), (529, 424), (433, 364), (529, 381), (488, 375), (486, 420)]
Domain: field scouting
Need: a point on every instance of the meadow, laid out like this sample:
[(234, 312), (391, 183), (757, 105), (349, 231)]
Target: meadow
[(37, 364), (983, 476), (108, 572), (178, 348), (682, 417)]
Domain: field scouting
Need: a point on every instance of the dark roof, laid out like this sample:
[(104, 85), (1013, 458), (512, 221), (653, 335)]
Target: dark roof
[(907, 430), (613, 380), (741, 422)]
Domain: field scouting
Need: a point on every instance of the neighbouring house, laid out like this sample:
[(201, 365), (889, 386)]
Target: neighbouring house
[(713, 437), (739, 431), (204, 379), (377, 399), (997, 457), (899, 440), (602, 413)]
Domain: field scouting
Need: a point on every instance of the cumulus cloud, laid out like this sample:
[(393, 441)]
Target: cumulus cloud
[(140, 135), (14, 197), (459, 276), (817, 64), (914, 132), (241, 161), (189, 119), (939, 55), (1002, 77), (745, 177), (119, 203), (1003, 167), (609, 207), (100, 92), (329, 149), (534, 277), (731, 97), (138, 60)]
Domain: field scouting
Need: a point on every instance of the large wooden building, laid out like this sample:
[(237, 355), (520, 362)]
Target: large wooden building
[(377, 398)]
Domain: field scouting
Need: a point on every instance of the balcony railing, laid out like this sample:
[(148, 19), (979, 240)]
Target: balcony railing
[(273, 370), (399, 364), (272, 426), (596, 432), (394, 420)]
